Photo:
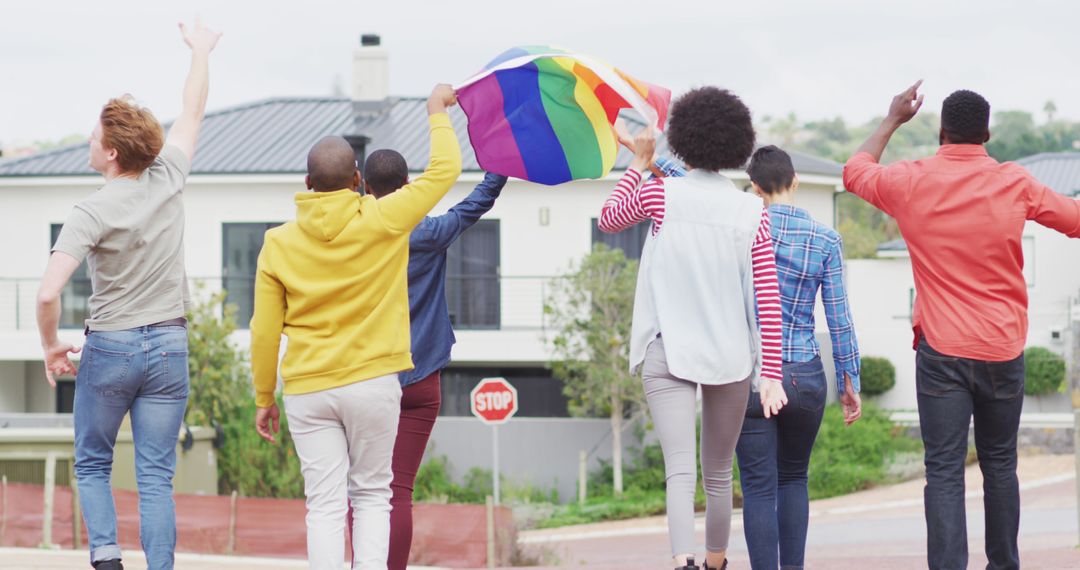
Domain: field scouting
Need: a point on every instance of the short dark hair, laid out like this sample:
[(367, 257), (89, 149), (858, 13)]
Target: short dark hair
[(771, 169), (710, 128), (965, 117), (331, 164), (385, 170)]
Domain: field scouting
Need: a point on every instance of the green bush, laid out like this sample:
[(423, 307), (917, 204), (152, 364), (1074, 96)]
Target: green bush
[(877, 376), (850, 458), (256, 468), (1044, 371), (434, 485)]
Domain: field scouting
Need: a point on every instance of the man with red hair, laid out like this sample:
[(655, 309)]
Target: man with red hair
[(131, 233)]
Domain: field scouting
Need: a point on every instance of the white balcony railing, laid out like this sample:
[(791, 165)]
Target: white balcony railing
[(475, 302)]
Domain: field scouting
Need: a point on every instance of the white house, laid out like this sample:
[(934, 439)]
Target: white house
[(882, 291), (249, 163)]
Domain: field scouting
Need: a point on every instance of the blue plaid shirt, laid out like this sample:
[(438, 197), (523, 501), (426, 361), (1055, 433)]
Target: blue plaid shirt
[(809, 256)]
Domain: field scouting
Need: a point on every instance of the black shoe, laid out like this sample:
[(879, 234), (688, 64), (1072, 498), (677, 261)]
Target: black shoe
[(111, 564), (689, 565), (722, 566)]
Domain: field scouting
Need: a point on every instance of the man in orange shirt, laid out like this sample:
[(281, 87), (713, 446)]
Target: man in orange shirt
[(962, 214)]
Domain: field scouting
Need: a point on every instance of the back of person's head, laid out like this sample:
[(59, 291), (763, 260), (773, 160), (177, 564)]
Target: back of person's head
[(965, 118), (771, 169), (331, 166), (711, 129), (133, 132), (385, 171)]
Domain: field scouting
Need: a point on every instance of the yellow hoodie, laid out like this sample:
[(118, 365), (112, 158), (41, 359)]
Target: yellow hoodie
[(334, 281)]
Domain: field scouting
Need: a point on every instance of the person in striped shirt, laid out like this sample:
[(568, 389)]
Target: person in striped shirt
[(774, 453), (707, 307)]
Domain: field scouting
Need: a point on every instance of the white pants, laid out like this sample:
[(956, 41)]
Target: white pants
[(345, 439)]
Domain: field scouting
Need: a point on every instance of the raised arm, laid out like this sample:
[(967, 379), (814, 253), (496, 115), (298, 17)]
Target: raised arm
[(631, 202), (402, 210), (440, 232), (185, 130), (863, 175), (903, 108)]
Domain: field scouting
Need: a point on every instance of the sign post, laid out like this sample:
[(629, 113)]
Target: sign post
[(494, 401)]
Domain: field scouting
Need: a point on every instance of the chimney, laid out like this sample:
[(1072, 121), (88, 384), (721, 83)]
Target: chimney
[(359, 145), (371, 70)]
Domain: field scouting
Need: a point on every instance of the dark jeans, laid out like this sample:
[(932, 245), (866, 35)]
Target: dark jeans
[(950, 391), (774, 456)]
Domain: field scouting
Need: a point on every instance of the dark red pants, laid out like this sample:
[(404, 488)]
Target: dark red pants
[(419, 408)]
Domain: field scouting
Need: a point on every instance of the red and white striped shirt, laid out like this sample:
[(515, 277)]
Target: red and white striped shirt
[(632, 203)]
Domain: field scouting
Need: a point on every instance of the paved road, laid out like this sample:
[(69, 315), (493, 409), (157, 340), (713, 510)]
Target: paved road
[(880, 529)]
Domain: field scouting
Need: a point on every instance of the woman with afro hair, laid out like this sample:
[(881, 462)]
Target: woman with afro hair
[(707, 308)]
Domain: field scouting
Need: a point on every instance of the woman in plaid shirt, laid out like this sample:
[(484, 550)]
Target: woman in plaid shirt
[(774, 452)]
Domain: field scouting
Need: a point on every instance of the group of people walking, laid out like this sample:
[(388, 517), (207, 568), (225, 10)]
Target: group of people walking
[(724, 308)]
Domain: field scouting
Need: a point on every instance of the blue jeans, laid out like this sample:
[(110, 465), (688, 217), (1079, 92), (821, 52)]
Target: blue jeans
[(950, 391), (774, 457), (144, 371)]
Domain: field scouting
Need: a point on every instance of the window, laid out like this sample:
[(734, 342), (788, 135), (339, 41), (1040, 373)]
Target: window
[(65, 396), (540, 395), (75, 299), (242, 243), (472, 277), (630, 241)]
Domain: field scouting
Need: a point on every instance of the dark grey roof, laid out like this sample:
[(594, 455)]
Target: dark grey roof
[(273, 136), (1058, 170)]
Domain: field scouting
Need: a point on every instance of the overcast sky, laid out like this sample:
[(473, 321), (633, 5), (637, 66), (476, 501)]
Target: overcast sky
[(60, 60)]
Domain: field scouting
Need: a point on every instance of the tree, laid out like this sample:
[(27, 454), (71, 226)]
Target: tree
[(221, 396), (1050, 109), (220, 378), (590, 309)]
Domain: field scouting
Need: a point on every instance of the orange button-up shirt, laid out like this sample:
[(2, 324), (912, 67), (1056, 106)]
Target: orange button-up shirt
[(962, 214)]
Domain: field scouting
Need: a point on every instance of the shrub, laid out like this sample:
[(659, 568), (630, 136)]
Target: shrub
[(850, 458), (256, 468), (1044, 371), (878, 375)]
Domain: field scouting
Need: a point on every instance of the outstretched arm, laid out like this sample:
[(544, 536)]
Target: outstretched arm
[(185, 131), (404, 209), (440, 232)]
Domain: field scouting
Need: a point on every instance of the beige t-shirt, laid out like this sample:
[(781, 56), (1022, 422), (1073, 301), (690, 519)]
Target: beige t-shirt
[(131, 233)]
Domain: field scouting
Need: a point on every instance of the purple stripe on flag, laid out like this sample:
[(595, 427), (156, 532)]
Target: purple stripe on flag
[(489, 131)]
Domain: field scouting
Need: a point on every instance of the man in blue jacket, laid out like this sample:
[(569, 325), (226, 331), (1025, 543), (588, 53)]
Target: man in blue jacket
[(432, 335)]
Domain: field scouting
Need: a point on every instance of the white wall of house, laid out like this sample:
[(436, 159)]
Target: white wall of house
[(12, 386)]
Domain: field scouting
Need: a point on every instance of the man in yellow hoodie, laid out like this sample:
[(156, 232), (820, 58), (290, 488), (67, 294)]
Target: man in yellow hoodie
[(334, 282)]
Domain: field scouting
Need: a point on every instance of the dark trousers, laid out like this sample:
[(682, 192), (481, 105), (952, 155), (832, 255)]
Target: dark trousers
[(951, 391), (774, 457), (419, 409), (420, 403)]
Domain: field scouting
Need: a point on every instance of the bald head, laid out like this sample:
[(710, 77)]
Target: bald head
[(331, 165)]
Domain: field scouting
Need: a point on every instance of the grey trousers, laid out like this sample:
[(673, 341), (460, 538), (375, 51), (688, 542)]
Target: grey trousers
[(673, 404)]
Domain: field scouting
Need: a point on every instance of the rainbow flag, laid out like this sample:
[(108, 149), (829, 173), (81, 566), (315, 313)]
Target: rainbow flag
[(545, 114)]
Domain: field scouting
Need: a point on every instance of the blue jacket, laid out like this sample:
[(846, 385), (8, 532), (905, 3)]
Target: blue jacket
[(432, 335)]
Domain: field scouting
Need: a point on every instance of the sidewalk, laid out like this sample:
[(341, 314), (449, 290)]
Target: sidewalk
[(31, 559)]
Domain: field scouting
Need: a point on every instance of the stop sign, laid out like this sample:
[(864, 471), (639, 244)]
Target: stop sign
[(494, 400)]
